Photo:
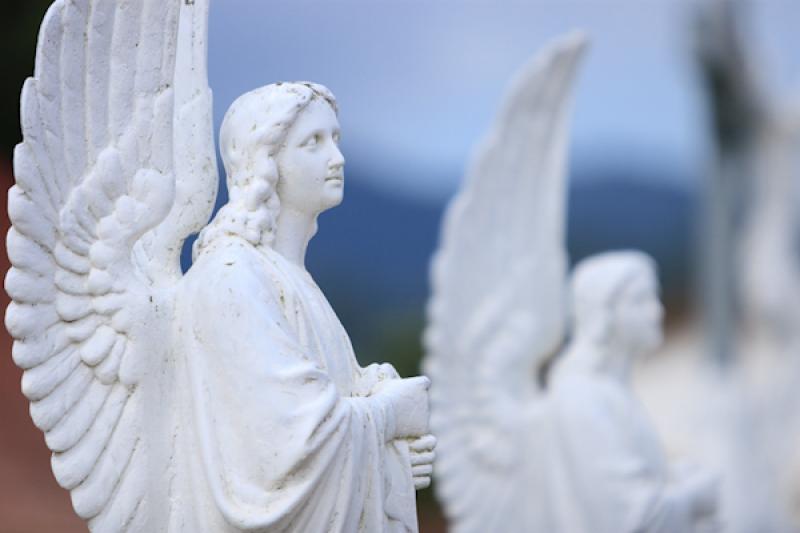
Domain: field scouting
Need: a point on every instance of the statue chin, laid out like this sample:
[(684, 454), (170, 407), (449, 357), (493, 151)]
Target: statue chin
[(333, 195), (647, 341)]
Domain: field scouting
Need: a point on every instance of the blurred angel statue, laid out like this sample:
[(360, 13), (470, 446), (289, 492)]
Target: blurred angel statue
[(528, 443), (228, 399), (603, 436)]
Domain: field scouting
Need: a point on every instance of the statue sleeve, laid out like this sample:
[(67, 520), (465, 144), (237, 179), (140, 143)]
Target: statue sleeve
[(613, 462), (369, 377), (281, 449)]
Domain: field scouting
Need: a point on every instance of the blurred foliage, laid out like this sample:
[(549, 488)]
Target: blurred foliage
[(397, 339), (19, 28)]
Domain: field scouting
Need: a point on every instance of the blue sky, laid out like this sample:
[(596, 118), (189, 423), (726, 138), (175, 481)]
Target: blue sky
[(418, 81)]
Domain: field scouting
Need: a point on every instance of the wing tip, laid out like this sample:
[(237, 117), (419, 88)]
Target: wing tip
[(52, 21), (575, 41), (560, 57), (570, 46)]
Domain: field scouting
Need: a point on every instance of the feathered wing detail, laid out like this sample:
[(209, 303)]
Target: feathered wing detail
[(497, 309), (95, 173), (196, 173)]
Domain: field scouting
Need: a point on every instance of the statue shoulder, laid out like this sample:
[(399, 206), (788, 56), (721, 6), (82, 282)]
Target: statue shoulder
[(234, 268), (229, 261)]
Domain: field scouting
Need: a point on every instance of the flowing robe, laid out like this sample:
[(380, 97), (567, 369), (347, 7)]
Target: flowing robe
[(613, 476), (285, 432)]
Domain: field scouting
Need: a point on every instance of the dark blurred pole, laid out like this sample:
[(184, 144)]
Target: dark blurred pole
[(769, 261), (747, 247), (736, 115)]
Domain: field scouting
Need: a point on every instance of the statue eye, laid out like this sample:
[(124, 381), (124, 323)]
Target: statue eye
[(336, 137), (312, 141)]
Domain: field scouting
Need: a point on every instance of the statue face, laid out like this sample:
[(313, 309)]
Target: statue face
[(310, 165), (639, 314)]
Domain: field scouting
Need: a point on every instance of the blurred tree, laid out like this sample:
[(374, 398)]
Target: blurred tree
[(18, 29)]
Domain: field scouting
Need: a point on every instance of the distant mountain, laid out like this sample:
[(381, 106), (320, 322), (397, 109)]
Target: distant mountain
[(371, 255), (614, 210)]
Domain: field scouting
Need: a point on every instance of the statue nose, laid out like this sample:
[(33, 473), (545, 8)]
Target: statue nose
[(337, 160)]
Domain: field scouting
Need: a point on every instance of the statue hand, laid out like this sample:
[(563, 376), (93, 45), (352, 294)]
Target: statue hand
[(422, 456), (703, 488), (408, 401)]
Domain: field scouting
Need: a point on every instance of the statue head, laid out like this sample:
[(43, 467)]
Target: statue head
[(615, 302), (279, 146)]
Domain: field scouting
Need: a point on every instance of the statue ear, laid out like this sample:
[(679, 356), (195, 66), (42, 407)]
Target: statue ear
[(601, 327)]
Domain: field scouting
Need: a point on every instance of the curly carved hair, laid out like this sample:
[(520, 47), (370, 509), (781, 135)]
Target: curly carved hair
[(253, 132)]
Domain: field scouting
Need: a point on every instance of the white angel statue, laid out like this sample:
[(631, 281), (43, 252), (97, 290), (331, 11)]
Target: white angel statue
[(525, 444), (227, 399)]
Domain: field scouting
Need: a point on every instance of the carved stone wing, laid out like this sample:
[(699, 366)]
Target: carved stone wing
[(96, 171), (497, 309), (195, 153)]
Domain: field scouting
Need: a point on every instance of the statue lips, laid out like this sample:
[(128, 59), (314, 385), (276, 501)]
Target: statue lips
[(337, 179)]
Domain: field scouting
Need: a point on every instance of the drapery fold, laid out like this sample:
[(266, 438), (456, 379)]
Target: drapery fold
[(289, 437)]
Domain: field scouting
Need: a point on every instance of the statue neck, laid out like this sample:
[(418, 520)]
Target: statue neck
[(293, 231), (595, 357)]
